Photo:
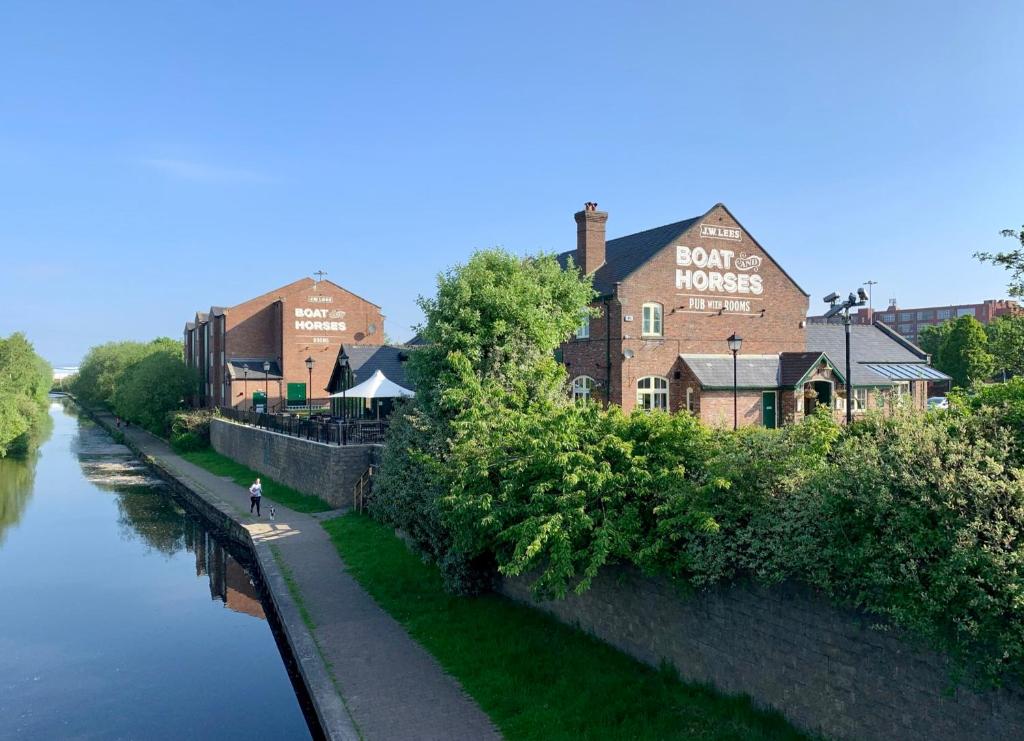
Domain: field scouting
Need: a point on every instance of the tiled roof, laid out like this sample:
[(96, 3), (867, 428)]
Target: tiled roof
[(624, 255), (752, 371), (365, 360), (872, 348), (794, 366)]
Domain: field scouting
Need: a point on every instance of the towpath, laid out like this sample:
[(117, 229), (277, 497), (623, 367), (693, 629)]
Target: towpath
[(392, 688)]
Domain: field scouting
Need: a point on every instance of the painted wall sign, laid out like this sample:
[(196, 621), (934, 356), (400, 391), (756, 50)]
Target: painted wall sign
[(321, 320), (321, 299), (718, 280), (721, 232)]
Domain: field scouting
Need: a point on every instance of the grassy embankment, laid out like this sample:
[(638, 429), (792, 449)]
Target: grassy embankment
[(221, 465), (535, 677)]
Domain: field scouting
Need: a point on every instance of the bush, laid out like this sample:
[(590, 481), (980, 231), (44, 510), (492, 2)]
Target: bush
[(190, 430)]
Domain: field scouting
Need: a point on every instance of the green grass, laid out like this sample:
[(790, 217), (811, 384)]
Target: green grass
[(535, 677), (221, 465)]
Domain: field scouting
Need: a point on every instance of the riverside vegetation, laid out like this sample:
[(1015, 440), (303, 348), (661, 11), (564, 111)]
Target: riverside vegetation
[(25, 380), (492, 470)]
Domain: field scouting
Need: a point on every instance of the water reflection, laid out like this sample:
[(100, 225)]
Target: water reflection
[(17, 478), (147, 512)]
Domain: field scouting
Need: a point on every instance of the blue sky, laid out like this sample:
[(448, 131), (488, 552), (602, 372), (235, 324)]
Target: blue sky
[(157, 158)]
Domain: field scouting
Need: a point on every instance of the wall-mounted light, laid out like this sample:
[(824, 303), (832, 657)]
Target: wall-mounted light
[(628, 354)]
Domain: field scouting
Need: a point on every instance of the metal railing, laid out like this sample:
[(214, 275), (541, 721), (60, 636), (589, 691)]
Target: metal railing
[(318, 428)]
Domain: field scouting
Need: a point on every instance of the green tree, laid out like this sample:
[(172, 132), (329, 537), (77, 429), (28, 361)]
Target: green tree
[(1006, 343), (1012, 261), (490, 335), (102, 368), (964, 353), (25, 380), (933, 335), (154, 386)]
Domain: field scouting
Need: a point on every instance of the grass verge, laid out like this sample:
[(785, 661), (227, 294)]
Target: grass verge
[(221, 465), (293, 590), (535, 677)]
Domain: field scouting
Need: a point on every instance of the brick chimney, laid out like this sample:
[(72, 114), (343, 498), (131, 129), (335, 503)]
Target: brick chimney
[(590, 238)]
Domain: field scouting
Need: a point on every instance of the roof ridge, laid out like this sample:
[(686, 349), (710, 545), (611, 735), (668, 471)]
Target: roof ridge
[(653, 229)]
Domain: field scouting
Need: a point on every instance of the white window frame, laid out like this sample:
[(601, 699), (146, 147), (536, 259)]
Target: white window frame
[(653, 324), (583, 333), (860, 399), (901, 390), (689, 399), (654, 387), (583, 388)]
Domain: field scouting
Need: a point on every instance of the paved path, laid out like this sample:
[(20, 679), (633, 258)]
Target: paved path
[(392, 687)]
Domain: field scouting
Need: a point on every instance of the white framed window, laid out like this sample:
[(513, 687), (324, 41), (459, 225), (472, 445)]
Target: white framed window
[(901, 390), (689, 398), (652, 393), (652, 320), (966, 311), (582, 388), (583, 333), (860, 400)]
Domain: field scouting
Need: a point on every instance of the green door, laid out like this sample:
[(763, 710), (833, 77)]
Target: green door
[(259, 401), (768, 413), (296, 394)]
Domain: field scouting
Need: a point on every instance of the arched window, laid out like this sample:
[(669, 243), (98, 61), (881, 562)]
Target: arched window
[(582, 387), (652, 320), (652, 393)]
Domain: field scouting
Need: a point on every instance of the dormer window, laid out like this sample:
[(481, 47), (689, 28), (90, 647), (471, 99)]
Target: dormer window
[(652, 320)]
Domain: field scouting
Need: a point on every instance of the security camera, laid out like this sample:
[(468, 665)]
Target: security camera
[(832, 298), (833, 311), (862, 294)]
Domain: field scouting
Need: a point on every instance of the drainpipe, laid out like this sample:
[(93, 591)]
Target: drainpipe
[(607, 353)]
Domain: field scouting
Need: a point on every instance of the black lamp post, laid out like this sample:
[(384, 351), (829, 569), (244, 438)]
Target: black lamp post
[(309, 391), (228, 400), (343, 365), (735, 343), (245, 380), (266, 386), (854, 299)]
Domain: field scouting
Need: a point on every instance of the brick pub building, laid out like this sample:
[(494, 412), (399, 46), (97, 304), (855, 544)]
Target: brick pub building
[(304, 319), (670, 297)]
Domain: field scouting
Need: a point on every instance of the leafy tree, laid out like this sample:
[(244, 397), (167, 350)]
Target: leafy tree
[(932, 336), (1012, 261), (1006, 343), (150, 388), (102, 367), (25, 380), (964, 353)]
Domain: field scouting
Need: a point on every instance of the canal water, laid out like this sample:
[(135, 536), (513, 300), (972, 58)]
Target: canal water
[(121, 617)]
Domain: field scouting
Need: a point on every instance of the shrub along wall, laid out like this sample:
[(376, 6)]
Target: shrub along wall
[(827, 669)]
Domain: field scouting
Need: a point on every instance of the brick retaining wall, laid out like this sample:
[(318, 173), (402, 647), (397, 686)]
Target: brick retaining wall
[(328, 471), (825, 668)]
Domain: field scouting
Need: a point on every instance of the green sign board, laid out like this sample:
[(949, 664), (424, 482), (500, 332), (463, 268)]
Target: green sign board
[(296, 394)]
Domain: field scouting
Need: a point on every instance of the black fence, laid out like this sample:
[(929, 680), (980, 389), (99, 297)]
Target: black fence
[(319, 428)]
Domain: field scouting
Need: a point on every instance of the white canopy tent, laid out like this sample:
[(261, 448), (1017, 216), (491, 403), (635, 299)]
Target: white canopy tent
[(376, 386)]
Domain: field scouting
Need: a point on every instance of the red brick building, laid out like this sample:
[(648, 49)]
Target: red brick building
[(670, 297), (909, 322), (282, 328)]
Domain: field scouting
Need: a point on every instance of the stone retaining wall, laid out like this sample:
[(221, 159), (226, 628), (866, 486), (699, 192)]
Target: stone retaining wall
[(825, 668), (328, 471)]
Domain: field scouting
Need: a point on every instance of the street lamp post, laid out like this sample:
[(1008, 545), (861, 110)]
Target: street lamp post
[(343, 365), (854, 299), (309, 390), (266, 386), (245, 380), (229, 399), (735, 343)]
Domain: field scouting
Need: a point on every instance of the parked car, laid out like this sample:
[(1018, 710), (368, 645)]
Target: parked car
[(938, 402)]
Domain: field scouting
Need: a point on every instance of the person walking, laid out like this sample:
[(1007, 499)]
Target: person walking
[(255, 494)]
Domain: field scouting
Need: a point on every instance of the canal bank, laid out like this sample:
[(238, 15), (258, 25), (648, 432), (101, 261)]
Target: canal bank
[(365, 676)]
